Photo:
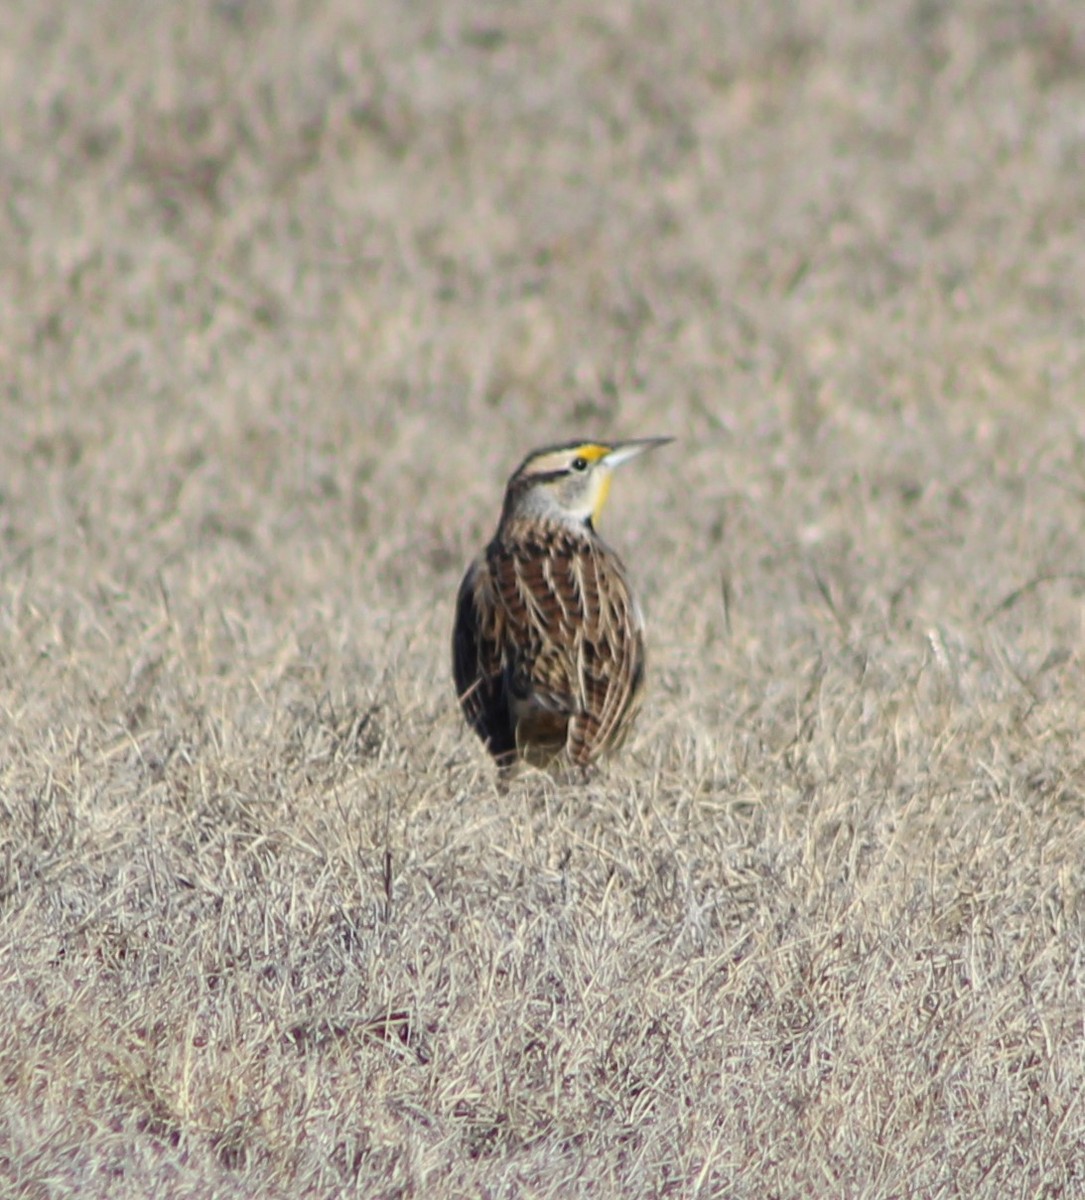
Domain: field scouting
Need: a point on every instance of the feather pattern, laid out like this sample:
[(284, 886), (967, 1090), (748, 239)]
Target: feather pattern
[(548, 641), (548, 646)]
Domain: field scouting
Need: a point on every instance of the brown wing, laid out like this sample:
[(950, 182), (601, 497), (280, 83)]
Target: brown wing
[(611, 657), (477, 662), (572, 633)]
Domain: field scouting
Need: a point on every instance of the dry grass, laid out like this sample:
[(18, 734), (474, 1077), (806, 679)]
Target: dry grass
[(285, 291)]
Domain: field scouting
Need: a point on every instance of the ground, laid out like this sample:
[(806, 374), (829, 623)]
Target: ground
[(287, 289)]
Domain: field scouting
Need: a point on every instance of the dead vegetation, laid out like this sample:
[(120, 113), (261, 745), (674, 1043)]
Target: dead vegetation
[(287, 291)]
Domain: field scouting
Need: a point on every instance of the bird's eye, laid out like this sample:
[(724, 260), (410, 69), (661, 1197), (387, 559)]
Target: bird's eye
[(580, 464)]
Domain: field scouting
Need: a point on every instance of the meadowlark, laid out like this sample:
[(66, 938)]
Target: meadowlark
[(548, 643)]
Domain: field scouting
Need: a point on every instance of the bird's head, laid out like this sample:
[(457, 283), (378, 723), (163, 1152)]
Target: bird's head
[(570, 482)]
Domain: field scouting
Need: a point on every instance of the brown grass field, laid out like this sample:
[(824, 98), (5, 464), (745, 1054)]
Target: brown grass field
[(287, 288)]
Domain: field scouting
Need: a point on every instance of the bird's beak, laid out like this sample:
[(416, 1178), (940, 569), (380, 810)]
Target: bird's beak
[(624, 451)]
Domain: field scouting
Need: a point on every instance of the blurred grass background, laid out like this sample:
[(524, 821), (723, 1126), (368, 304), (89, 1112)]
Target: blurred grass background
[(286, 291)]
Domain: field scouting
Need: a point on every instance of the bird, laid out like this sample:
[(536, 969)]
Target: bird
[(548, 648)]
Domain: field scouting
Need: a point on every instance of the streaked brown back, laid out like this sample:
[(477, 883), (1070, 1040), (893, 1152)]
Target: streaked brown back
[(548, 632)]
